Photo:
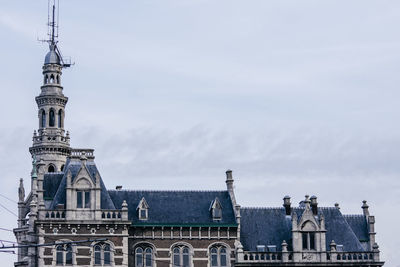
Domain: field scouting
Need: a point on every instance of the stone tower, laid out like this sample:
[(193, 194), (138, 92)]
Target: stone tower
[(51, 142)]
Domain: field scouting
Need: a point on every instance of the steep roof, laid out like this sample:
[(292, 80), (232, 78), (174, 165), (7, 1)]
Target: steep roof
[(51, 182), (270, 226), (73, 167), (359, 225), (176, 207)]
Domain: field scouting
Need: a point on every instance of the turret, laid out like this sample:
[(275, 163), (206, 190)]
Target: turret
[(50, 141)]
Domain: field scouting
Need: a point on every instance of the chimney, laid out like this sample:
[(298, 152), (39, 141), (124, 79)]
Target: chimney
[(286, 204), (229, 180), (365, 208), (118, 187), (314, 205)]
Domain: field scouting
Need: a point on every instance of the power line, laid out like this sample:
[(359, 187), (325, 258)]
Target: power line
[(4, 207), (4, 229), (1, 195), (54, 243)]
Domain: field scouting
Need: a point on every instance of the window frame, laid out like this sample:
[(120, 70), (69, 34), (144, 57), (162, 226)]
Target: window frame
[(218, 254), (145, 251), (308, 240), (66, 251), (181, 255), (102, 251), (85, 199)]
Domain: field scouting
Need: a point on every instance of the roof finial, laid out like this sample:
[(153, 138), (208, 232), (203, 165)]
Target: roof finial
[(54, 56)]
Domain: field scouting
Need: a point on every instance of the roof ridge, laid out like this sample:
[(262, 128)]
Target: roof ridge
[(262, 208), (353, 215), (152, 190)]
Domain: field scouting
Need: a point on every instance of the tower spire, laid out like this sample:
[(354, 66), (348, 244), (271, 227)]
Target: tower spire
[(51, 141)]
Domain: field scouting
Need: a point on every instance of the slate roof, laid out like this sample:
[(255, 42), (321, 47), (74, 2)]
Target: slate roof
[(73, 166), (176, 207), (359, 225), (51, 182), (270, 226)]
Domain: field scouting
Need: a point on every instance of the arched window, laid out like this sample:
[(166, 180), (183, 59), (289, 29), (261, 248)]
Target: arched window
[(62, 167), (181, 256), (218, 256), (52, 78), (144, 256), (59, 118), (51, 169), (102, 254), (64, 255), (43, 119), (46, 79), (58, 79), (52, 118)]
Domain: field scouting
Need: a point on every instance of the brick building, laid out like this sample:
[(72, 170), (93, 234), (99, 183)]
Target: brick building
[(69, 218)]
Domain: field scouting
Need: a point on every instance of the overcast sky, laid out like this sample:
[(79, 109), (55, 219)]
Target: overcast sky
[(297, 97)]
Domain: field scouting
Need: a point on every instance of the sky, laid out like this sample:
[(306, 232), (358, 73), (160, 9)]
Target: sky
[(296, 97)]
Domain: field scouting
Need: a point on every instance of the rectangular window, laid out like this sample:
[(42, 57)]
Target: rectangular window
[(68, 257), (148, 260), (185, 260), (83, 199), (176, 260), (223, 260), (87, 199), (143, 214), (305, 240), (79, 199), (97, 257), (107, 258), (60, 258), (214, 260), (312, 240)]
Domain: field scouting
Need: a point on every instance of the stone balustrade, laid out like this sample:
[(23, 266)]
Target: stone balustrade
[(309, 256)]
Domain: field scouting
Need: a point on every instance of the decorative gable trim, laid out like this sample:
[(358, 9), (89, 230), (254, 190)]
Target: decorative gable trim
[(143, 209), (216, 209)]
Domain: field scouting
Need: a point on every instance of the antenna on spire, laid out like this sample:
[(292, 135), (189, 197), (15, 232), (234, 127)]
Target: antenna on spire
[(52, 31)]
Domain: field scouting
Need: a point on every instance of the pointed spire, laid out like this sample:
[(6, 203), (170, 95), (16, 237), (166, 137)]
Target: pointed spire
[(21, 191)]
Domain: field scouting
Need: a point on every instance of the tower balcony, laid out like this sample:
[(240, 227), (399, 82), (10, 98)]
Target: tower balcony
[(51, 137)]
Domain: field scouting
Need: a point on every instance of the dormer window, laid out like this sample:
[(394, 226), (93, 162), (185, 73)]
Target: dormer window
[(82, 199), (216, 209), (82, 193), (143, 210)]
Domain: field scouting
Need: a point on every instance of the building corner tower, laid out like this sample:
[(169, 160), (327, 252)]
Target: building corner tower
[(51, 142)]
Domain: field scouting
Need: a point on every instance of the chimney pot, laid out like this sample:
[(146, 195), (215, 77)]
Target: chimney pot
[(314, 205), (286, 204)]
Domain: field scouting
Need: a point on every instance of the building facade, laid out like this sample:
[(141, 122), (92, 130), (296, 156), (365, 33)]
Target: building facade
[(69, 217)]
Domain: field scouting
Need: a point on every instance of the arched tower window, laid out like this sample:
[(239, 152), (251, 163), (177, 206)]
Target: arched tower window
[(62, 167), (46, 79), (43, 119), (60, 118), (51, 169), (52, 118), (52, 78), (58, 79)]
